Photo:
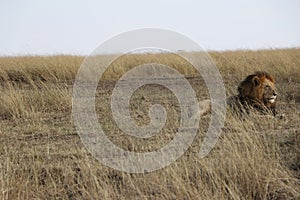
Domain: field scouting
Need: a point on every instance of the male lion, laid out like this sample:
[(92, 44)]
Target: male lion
[(256, 92)]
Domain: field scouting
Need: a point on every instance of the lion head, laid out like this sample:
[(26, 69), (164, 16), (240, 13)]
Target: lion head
[(258, 90)]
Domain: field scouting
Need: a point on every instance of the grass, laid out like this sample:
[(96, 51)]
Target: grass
[(42, 157)]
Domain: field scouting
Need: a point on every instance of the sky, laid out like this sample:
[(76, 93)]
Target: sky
[(40, 27)]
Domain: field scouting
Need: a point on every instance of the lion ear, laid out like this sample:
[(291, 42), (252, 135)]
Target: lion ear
[(256, 80)]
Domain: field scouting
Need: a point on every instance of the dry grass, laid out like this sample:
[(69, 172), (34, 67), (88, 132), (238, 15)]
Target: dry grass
[(42, 157)]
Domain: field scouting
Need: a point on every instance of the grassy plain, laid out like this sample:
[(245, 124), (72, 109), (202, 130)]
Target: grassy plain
[(42, 157)]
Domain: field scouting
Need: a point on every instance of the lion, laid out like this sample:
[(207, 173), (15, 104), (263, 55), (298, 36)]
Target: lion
[(256, 92)]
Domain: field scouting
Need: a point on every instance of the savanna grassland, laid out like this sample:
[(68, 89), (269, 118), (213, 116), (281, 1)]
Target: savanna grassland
[(42, 156)]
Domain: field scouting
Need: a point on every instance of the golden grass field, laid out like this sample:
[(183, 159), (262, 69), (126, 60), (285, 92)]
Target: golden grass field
[(42, 157)]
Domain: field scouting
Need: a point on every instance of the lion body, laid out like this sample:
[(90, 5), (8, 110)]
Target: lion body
[(257, 91)]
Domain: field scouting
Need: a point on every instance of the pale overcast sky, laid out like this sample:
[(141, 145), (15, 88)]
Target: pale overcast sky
[(78, 27)]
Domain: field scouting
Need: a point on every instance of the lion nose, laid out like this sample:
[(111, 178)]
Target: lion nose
[(275, 93)]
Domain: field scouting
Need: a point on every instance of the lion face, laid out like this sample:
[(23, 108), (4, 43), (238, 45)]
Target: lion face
[(269, 92), (259, 88), (263, 89)]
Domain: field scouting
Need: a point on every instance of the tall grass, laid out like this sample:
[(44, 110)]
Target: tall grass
[(43, 158)]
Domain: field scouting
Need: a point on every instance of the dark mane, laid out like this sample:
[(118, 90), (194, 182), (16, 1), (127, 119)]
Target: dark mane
[(248, 81)]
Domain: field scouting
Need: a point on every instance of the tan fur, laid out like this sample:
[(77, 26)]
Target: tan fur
[(257, 91)]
